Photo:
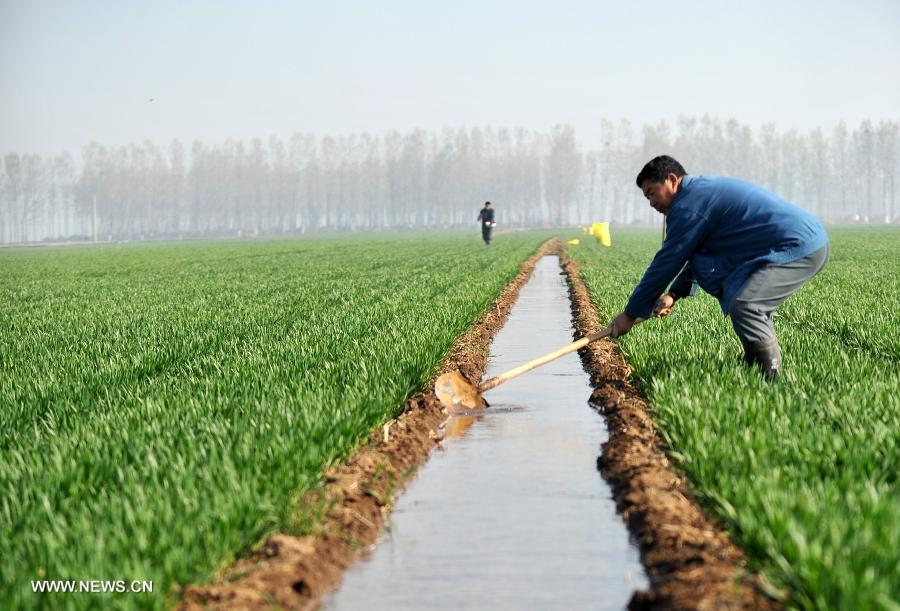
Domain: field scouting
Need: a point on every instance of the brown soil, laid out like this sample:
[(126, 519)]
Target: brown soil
[(690, 561), (297, 572)]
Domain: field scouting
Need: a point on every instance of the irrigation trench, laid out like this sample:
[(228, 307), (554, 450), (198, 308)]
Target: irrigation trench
[(688, 561)]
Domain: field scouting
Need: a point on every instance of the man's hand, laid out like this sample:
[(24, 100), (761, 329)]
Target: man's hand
[(622, 324), (663, 305)]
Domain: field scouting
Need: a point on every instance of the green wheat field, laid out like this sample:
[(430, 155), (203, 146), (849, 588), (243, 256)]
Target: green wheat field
[(804, 472), (162, 406)]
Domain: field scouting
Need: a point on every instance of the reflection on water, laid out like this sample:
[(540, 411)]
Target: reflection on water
[(512, 514), (458, 425)]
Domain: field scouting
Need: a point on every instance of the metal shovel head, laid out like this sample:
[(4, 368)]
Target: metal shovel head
[(457, 394)]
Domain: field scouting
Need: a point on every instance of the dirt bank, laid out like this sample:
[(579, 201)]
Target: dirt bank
[(690, 562), (296, 572)]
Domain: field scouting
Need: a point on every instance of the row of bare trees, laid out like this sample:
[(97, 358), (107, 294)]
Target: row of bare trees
[(422, 179)]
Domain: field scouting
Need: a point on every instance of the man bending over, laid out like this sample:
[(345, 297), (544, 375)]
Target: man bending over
[(744, 245)]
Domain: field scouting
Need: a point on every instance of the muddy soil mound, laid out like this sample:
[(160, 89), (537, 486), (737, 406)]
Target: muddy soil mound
[(690, 561)]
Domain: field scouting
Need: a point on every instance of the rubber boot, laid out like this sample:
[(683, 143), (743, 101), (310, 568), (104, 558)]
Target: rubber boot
[(766, 355)]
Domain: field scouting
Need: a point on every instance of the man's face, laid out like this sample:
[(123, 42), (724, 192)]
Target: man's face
[(661, 194)]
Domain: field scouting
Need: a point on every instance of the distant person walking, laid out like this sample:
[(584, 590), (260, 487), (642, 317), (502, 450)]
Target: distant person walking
[(744, 245), (486, 218)]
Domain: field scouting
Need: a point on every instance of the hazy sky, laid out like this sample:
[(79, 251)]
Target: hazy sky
[(80, 70)]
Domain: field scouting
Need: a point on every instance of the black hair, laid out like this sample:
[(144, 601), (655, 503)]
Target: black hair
[(658, 168), (487, 203)]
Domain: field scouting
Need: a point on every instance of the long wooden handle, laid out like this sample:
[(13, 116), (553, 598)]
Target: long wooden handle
[(503, 377)]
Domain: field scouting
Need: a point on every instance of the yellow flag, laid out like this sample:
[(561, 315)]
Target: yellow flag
[(575, 242), (601, 232)]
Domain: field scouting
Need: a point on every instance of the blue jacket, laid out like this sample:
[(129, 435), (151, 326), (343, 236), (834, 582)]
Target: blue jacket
[(718, 232)]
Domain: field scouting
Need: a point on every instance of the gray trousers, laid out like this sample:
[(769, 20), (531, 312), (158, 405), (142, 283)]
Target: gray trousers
[(751, 311)]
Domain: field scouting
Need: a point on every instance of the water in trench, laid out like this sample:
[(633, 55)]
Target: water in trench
[(512, 513)]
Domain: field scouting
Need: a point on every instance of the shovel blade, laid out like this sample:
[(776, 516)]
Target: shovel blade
[(457, 394)]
